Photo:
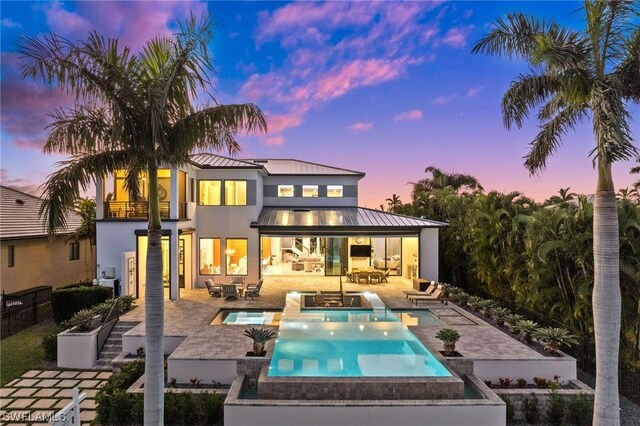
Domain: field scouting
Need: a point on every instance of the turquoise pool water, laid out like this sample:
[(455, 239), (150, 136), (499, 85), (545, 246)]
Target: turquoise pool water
[(249, 318), (326, 343)]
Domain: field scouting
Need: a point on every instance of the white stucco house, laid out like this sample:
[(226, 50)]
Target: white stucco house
[(225, 217)]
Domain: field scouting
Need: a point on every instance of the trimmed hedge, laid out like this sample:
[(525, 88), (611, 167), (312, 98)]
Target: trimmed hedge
[(66, 302), (76, 285), (117, 407)]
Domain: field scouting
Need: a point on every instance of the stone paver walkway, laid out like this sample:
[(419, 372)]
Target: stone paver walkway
[(34, 397)]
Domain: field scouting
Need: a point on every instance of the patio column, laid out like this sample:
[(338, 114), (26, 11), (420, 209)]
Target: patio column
[(428, 267)]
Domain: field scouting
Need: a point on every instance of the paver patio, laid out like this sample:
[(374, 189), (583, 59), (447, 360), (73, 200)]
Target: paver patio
[(33, 398)]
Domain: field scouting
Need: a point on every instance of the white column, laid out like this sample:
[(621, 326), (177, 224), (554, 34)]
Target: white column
[(99, 199), (429, 254)]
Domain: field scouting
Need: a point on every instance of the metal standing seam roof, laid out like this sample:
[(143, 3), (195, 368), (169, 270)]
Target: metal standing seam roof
[(338, 217), (299, 167), (19, 216), (271, 166), (207, 160)]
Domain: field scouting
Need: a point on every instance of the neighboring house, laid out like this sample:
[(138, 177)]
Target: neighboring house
[(30, 257), (225, 217)]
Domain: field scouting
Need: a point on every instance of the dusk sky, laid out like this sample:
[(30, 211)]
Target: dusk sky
[(384, 88)]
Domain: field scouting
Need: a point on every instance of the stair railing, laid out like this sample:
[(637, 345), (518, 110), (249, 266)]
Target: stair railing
[(107, 324)]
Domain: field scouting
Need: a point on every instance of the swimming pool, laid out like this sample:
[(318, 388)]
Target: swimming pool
[(247, 318), (349, 343)]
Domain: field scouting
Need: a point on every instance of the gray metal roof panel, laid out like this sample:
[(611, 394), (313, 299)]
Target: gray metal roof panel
[(275, 166), (339, 217), (208, 160), (19, 216)]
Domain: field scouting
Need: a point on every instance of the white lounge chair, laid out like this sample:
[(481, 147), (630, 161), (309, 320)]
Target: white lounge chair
[(434, 296), (429, 290)]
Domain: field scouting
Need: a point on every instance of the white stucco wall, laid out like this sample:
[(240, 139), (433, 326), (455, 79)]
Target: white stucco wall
[(429, 254)]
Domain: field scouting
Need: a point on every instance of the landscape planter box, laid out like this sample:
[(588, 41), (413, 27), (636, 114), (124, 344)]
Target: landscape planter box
[(78, 350)]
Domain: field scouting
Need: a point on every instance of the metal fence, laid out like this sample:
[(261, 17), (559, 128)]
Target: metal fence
[(23, 309)]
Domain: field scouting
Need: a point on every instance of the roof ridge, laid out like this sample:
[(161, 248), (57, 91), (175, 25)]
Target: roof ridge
[(308, 162)]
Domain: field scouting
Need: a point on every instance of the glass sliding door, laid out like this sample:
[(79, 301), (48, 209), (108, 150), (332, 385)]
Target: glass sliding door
[(336, 256)]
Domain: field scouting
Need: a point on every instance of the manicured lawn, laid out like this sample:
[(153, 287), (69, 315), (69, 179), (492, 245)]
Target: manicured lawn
[(23, 351)]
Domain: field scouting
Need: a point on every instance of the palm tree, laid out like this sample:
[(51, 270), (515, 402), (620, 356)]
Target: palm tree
[(138, 115), (564, 196), (394, 203), (574, 76)]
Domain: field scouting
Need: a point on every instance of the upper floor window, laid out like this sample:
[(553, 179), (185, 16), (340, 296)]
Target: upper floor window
[(309, 190), (334, 191), (210, 192), (285, 190), (12, 256), (74, 251), (235, 192)]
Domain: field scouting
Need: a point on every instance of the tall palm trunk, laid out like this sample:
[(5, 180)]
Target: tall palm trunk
[(607, 302), (154, 312)]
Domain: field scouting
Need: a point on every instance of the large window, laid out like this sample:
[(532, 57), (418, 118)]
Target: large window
[(210, 192), (236, 254), (12, 256), (285, 190), (309, 190), (235, 192), (334, 191), (210, 255), (74, 251)]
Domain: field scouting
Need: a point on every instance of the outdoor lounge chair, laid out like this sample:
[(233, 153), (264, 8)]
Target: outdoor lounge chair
[(429, 290), (229, 291), (253, 290), (436, 295), (215, 290)]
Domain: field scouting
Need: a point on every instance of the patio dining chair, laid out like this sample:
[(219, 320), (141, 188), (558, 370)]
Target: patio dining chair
[(229, 291), (385, 276), (349, 275), (253, 290), (375, 276), (214, 290), (360, 276)]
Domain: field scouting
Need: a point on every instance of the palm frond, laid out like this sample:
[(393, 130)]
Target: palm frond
[(524, 94), (82, 128), (628, 71), (215, 128), (549, 138), (64, 186), (611, 126)]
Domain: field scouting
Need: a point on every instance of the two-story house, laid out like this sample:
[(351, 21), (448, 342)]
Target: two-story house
[(225, 217)]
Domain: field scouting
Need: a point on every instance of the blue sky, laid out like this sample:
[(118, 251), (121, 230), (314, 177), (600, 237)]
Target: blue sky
[(384, 88)]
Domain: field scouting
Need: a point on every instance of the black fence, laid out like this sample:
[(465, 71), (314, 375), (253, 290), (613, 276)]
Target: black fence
[(584, 352), (23, 309)]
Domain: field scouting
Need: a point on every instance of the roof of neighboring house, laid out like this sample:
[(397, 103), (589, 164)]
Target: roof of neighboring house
[(272, 166), (356, 219), (19, 216)]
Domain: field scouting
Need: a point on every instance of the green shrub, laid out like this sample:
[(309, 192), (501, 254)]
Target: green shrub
[(117, 407), (579, 410), (50, 345), (530, 409), (555, 409), (511, 409), (76, 285), (67, 301)]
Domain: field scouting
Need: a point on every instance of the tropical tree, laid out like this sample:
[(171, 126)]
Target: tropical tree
[(574, 76), (135, 113), (563, 196), (394, 204)]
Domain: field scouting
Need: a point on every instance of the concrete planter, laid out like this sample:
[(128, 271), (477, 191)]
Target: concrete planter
[(78, 350)]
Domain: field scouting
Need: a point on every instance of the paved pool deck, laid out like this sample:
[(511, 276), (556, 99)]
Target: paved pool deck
[(191, 316)]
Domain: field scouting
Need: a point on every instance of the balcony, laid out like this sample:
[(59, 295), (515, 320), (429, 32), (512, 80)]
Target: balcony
[(133, 210)]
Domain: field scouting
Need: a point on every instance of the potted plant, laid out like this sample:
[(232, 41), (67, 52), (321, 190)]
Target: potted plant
[(554, 337), (260, 336), (512, 320), (449, 338), (527, 327), (499, 315)]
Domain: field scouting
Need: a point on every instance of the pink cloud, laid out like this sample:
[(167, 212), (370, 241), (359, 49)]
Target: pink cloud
[(274, 140), (279, 122), (411, 115), (19, 184), (457, 36), (361, 126), (441, 100), (473, 91)]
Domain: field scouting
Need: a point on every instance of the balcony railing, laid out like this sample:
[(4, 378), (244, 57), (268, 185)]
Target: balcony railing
[(182, 211), (131, 210)]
